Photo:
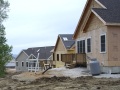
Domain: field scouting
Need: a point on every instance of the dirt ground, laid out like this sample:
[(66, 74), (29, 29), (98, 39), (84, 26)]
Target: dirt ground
[(60, 83)]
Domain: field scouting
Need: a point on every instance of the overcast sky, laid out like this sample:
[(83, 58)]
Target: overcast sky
[(35, 23)]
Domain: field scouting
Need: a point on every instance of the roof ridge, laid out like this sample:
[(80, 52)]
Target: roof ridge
[(69, 40), (100, 8), (39, 47), (65, 34)]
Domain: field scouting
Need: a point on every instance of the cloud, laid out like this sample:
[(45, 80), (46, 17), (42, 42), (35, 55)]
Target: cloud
[(38, 22)]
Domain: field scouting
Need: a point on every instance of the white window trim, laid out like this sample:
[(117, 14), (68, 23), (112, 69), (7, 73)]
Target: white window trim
[(23, 63), (86, 44), (15, 63), (105, 43)]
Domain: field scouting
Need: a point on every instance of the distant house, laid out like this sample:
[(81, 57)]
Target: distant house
[(11, 64), (64, 45), (98, 33), (27, 59)]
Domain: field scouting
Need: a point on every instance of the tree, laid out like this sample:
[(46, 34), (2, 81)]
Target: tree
[(5, 49)]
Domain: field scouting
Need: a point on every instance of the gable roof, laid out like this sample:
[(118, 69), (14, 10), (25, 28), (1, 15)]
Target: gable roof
[(110, 14), (66, 39), (21, 53), (69, 42), (44, 52), (81, 18)]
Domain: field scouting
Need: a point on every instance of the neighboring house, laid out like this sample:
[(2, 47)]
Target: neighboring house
[(27, 59), (98, 33), (64, 45), (11, 64)]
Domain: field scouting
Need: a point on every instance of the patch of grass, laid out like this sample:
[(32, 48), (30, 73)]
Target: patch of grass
[(2, 74)]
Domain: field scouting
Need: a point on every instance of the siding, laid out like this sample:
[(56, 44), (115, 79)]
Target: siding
[(114, 46), (60, 49), (22, 57), (86, 14), (60, 46), (94, 29)]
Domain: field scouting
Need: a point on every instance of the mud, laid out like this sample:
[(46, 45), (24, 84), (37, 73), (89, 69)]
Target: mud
[(60, 83)]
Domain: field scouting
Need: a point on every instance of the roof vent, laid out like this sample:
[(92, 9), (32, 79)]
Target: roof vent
[(65, 38)]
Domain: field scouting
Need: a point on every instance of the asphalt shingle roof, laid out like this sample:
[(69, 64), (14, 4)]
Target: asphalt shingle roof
[(112, 13), (44, 52), (67, 43)]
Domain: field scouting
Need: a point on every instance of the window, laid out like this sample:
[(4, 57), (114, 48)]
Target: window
[(89, 45), (26, 64), (22, 63), (81, 46), (16, 63), (57, 57), (65, 38), (78, 47), (103, 41)]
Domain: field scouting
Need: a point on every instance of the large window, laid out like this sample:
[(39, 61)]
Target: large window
[(103, 42), (57, 57), (89, 45), (81, 46)]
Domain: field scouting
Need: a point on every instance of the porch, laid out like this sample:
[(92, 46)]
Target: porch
[(36, 66), (33, 65), (74, 59)]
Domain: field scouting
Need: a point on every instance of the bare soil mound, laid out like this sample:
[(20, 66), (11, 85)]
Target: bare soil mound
[(58, 80), (58, 83)]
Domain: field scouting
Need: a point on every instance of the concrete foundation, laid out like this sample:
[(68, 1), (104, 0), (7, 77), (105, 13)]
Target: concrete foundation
[(110, 70), (107, 69)]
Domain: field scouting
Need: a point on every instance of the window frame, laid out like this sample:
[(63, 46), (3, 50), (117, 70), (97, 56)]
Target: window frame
[(22, 63), (83, 48), (89, 45), (104, 43)]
